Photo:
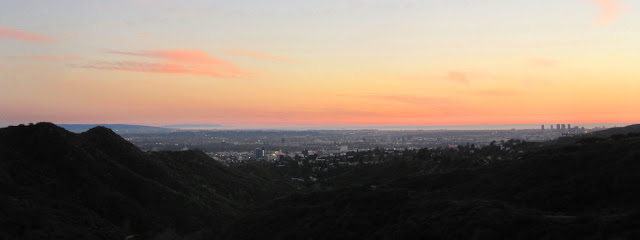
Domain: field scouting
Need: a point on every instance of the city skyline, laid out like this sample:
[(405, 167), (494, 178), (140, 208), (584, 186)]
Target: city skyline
[(330, 63)]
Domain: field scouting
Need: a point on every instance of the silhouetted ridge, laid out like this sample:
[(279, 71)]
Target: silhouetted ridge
[(34, 133), (97, 185), (114, 145), (105, 135)]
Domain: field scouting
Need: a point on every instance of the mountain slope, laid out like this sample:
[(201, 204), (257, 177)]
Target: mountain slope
[(96, 185)]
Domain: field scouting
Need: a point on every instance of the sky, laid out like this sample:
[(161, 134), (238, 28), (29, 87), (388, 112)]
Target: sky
[(319, 63)]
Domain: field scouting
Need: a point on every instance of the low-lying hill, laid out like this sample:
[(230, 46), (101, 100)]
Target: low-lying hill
[(95, 185)]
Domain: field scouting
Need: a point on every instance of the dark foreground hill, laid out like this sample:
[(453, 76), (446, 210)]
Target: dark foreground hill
[(583, 190), (95, 185)]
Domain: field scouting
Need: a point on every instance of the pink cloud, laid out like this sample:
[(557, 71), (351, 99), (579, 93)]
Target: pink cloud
[(193, 62), (610, 11), (24, 36), (259, 55), (167, 68), (190, 56), (142, 35)]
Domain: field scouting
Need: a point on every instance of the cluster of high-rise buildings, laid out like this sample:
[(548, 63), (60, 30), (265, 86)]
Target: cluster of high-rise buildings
[(562, 127)]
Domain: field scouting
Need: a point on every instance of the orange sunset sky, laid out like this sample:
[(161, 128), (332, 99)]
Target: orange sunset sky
[(319, 63)]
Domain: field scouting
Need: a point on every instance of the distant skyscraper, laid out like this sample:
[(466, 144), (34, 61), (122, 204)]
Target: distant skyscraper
[(305, 152), (551, 127), (568, 126), (564, 126), (542, 127), (557, 126), (282, 140)]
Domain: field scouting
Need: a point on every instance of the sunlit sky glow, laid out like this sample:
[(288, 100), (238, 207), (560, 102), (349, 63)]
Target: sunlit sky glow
[(319, 63)]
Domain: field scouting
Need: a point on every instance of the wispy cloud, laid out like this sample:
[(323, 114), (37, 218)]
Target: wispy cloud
[(46, 58), (194, 62), (142, 35), (458, 77), (610, 10), (146, 67), (180, 55), (21, 35), (259, 55)]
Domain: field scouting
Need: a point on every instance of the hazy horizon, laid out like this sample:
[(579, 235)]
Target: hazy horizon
[(377, 127)]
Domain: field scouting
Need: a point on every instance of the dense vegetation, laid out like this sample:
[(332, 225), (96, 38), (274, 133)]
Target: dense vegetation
[(95, 185)]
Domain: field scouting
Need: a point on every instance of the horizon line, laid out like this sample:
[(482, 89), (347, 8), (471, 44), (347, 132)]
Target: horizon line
[(352, 127)]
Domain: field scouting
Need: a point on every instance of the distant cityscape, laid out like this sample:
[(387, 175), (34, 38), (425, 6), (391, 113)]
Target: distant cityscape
[(229, 146)]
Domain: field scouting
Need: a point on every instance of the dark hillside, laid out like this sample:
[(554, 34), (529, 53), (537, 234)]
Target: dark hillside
[(584, 190), (97, 185)]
